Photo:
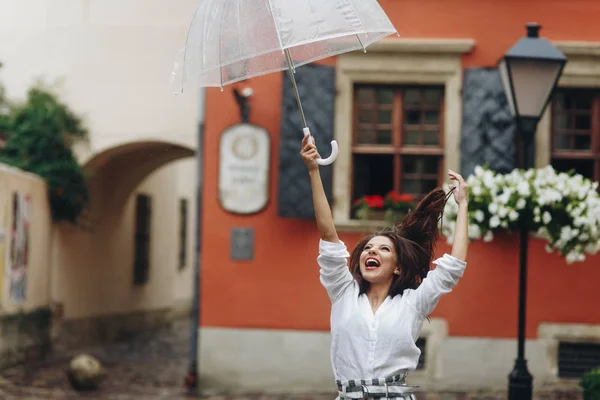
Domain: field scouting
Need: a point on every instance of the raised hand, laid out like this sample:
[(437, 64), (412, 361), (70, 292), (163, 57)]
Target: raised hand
[(460, 192), (309, 154)]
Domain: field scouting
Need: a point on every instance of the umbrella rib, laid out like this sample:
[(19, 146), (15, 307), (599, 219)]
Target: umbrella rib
[(293, 78), (221, 45)]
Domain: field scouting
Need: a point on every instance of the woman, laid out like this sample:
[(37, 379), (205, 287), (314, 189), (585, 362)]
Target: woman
[(381, 298)]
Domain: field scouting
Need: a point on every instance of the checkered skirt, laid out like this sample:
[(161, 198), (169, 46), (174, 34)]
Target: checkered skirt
[(392, 388)]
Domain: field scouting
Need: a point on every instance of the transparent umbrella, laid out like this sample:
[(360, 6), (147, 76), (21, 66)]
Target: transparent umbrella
[(233, 40)]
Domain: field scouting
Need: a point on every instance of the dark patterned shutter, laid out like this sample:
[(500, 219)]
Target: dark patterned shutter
[(488, 128), (316, 85)]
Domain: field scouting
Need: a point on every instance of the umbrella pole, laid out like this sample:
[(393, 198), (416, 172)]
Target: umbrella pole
[(291, 71)]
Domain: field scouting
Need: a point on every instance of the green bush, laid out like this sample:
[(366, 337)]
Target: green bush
[(40, 134), (590, 383)]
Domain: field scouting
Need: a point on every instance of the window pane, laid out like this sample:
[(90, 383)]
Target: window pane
[(583, 122), (430, 166), (365, 136), (582, 99), (559, 101), (385, 96), (561, 121), (384, 117), (365, 116), (429, 185), (410, 165), (432, 138), (364, 96), (562, 142), (411, 137), (432, 117), (583, 142), (412, 97), (412, 117), (583, 167), (373, 174), (384, 137), (419, 174), (433, 97), (410, 186)]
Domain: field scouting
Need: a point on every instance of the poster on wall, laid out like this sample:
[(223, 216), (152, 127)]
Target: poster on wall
[(19, 248), (4, 197)]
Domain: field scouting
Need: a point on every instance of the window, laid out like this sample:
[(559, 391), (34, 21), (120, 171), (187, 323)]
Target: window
[(397, 64), (183, 229), (143, 216), (398, 141), (576, 132), (575, 359)]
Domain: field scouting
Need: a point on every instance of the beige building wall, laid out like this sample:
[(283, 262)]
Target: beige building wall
[(111, 62)]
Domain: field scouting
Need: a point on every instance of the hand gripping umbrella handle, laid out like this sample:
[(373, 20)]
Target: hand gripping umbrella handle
[(334, 150)]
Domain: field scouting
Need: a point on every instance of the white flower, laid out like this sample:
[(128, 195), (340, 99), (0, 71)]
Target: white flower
[(566, 209), (493, 208), (494, 222), (479, 215), (488, 237), (474, 232), (546, 217)]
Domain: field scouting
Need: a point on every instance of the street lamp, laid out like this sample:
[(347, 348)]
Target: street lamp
[(529, 72)]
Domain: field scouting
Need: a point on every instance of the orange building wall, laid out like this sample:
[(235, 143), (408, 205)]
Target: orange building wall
[(280, 288)]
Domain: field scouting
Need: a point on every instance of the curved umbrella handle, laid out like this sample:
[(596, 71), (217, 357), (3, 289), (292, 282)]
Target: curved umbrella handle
[(334, 150)]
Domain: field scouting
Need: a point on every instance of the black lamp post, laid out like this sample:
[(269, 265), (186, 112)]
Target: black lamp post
[(529, 72)]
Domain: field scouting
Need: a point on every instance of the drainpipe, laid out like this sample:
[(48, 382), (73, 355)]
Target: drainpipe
[(192, 377)]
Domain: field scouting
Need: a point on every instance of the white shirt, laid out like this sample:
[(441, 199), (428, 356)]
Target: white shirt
[(367, 345)]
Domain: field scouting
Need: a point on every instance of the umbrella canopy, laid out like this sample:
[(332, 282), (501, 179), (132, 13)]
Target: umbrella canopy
[(233, 40)]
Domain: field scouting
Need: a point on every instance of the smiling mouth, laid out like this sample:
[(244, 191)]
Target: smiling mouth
[(372, 263)]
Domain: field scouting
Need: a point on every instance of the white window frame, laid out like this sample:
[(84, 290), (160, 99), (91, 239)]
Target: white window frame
[(402, 62)]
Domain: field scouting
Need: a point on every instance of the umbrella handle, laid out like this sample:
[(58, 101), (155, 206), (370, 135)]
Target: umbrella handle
[(334, 149)]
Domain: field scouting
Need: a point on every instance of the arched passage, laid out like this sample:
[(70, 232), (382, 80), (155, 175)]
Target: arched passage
[(93, 265)]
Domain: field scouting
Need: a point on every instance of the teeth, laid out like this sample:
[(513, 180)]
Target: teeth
[(372, 263)]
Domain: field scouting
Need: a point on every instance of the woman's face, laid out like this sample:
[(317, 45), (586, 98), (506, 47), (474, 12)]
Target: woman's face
[(378, 260)]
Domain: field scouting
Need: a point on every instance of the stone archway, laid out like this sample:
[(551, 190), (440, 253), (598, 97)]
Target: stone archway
[(92, 282)]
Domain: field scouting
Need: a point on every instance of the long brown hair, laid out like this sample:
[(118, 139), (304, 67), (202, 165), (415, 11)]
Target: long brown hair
[(414, 243)]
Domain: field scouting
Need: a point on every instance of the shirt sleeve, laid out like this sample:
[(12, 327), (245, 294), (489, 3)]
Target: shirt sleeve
[(335, 275), (439, 281)]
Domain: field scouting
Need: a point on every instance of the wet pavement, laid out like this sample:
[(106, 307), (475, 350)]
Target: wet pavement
[(153, 366)]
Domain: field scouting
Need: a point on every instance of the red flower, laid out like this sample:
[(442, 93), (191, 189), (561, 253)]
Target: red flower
[(395, 197), (58, 191), (374, 201)]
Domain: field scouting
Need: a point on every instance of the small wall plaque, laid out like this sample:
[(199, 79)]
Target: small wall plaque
[(242, 244)]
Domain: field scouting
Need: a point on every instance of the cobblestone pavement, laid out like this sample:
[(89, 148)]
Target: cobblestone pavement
[(153, 366)]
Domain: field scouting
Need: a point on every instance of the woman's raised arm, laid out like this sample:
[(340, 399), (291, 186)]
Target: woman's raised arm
[(322, 211)]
